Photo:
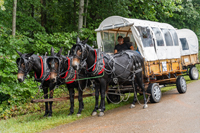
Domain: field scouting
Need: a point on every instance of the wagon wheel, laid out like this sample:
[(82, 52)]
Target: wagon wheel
[(113, 98), (155, 92), (181, 84), (193, 73)]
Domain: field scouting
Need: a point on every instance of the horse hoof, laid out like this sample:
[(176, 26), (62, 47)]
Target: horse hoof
[(145, 106), (99, 110), (78, 115), (70, 114), (49, 116), (132, 106), (94, 113), (101, 114)]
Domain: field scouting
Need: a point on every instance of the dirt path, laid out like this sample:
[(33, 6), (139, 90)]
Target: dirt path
[(176, 112)]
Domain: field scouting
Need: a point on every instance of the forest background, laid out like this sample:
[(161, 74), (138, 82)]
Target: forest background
[(41, 24)]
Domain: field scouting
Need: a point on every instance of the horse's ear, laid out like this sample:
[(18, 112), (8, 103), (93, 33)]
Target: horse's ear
[(84, 42), (52, 51), (78, 40), (20, 54), (30, 54), (59, 53)]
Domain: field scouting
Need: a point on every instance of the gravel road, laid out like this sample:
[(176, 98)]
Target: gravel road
[(175, 113)]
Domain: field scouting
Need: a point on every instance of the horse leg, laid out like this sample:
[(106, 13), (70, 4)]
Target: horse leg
[(45, 90), (135, 95), (139, 78), (80, 99), (96, 99), (103, 93), (50, 103), (71, 94)]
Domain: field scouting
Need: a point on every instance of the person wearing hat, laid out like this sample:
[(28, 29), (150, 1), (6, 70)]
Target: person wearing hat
[(122, 46)]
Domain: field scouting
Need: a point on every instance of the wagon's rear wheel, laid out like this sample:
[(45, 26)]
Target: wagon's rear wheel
[(113, 98), (155, 92), (193, 73), (181, 84)]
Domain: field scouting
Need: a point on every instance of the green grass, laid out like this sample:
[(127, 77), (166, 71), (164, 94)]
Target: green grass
[(35, 122)]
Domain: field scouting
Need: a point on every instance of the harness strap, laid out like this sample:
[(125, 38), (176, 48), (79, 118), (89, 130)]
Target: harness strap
[(95, 52), (42, 71), (72, 79), (95, 63), (67, 69), (102, 68)]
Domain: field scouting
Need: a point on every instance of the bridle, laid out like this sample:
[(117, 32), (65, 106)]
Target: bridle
[(61, 65), (52, 66), (84, 53), (28, 64)]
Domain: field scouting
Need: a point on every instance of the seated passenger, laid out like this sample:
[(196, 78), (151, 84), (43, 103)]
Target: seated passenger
[(122, 46), (137, 50)]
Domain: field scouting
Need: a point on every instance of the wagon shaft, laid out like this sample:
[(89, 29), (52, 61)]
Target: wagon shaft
[(58, 99)]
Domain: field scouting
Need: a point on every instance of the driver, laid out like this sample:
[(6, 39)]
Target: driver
[(122, 46)]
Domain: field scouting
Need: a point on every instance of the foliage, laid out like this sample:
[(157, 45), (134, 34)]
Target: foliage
[(1, 5)]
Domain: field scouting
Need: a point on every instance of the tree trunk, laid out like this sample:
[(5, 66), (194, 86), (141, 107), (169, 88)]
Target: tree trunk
[(74, 13), (32, 10), (86, 13), (14, 17), (80, 18)]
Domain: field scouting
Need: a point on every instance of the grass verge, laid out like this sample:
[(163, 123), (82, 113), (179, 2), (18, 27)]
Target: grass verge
[(35, 122)]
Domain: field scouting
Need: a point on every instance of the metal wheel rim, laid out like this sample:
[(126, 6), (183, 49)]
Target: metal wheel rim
[(195, 73), (183, 84), (157, 92)]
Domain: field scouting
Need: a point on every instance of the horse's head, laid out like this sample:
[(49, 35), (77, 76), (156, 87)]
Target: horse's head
[(80, 52), (54, 63), (24, 63)]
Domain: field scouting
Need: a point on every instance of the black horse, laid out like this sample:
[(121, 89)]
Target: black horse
[(28, 62), (62, 72), (118, 69)]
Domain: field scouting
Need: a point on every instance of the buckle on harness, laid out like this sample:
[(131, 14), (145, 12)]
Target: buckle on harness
[(115, 80)]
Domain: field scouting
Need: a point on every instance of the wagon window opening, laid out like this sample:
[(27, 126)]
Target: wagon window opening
[(108, 40), (184, 44), (158, 35), (145, 36), (174, 36), (168, 38)]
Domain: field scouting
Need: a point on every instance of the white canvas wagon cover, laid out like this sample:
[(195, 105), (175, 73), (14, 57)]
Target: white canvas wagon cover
[(150, 53), (189, 41)]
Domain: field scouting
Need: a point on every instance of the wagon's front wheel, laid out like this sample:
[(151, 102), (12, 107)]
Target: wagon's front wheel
[(193, 73), (155, 92), (181, 84)]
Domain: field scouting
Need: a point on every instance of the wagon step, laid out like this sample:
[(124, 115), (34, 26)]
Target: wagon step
[(58, 99)]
